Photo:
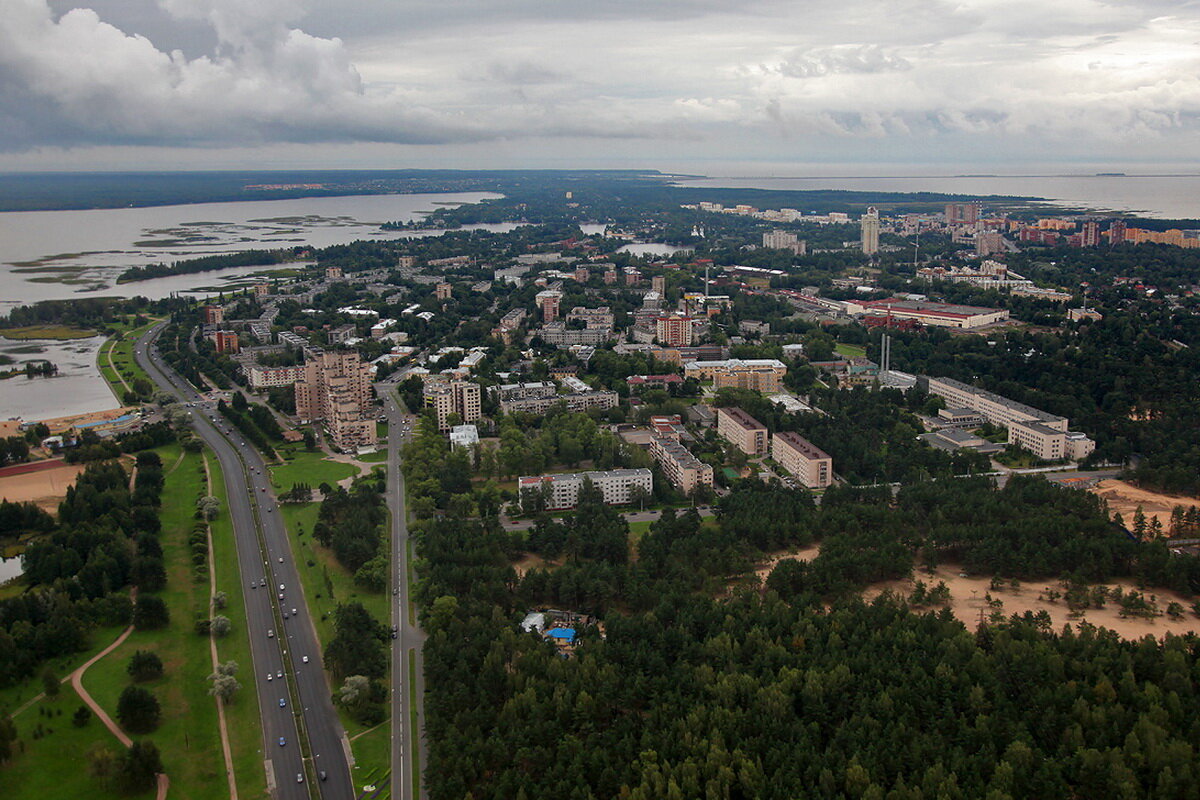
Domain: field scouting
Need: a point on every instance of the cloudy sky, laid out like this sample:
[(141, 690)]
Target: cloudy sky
[(711, 86)]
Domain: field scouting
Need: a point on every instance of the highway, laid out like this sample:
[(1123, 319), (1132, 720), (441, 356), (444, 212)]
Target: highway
[(287, 667), (408, 746)]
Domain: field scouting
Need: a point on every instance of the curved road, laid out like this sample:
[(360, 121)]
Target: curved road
[(266, 564)]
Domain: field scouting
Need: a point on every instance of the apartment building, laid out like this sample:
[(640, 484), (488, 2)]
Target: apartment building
[(260, 377), (681, 468), (509, 324), (742, 431), (578, 401), (674, 330), (343, 333), (443, 291), (602, 317), (212, 315), (617, 486), (758, 374), (1043, 434), (559, 335), (224, 341), (448, 397), (800, 457), (547, 301), (336, 388), (521, 391)]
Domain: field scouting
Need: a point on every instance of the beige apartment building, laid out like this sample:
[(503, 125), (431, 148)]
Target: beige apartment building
[(336, 388), (742, 431), (453, 397), (682, 469), (800, 457), (758, 374), (1043, 434)]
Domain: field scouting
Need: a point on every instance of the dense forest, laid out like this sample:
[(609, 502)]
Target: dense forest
[(705, 685)]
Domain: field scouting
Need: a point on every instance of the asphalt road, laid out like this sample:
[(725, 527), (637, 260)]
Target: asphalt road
[(278, 646), (408, 745)]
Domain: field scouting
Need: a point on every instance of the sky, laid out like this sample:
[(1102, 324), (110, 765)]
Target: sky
[(756, 87)]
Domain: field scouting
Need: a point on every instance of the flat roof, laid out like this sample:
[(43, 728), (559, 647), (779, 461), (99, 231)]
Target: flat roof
[(1001, 400), (804, 446), (742, 418), (928, 308)]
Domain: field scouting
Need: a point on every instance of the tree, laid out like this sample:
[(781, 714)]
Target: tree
[(50, 682), (103, 762), (220, 600), (8, 735), (139, 768), (220, 626), (138, 710), (81, 717), (150, 613), (209, 507), (224, 686), (144, 666)]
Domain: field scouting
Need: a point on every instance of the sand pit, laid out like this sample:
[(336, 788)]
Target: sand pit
[(763, 568), (45, 487), (1124, 498), (967, 601)]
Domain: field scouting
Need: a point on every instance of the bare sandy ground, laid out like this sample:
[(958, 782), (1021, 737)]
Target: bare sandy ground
[(530, 561), (968, 600), (1124, 498), (763, 568), (45, 487)]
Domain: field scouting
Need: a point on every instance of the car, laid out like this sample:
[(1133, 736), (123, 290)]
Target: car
[(285, 615), (281, 559), (322, 775), (264, 582), (253, 585), (279, 674), (304, 659), (299, 777), (270, 633), (282, 742), (281, 595), (282, 703), (269, 510), (270, 677), (394, 634), (281, 587), (293, 612)]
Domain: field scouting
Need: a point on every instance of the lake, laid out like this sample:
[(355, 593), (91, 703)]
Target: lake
[(56, 255), (78, 388), (10, 568), (1159, 196), (652, 249)]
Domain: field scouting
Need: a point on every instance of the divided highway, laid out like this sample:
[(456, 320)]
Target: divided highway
[(408, 746), (287, 665)]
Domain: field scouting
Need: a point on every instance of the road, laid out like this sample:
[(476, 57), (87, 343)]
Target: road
[(278, 646), (408, 745), (630, 516)]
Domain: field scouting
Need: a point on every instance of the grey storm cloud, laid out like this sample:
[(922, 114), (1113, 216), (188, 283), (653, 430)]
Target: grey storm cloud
[(684, 77)]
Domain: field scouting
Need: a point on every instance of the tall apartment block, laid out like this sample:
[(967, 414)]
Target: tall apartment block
[(809, 463), (212, 315), (674, 330), (963, 213), (548, 301), (742, 431), (336, 389), (870, 231), (453, 397)]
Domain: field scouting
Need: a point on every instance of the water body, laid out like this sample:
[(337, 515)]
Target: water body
[(652, 249), (10, 568), (78, 388), (1157, 196), (55, 255)]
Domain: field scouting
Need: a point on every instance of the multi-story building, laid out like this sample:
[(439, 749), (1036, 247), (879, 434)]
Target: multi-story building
[(1116, 232), (681, 468), (742, 431), (658, 284), (509, 324), (577, 401), (783, 240), (809, 463), (1090, 236), (262, 289), (559, 335), (260, 377), (674, 330), (870, 231), (942, 315), (617, 486), (988, 242), (443, 291), (963, 213), (453, 397), (212, 315), (343, 333), (1043, 434), (521, 391), (758, 374), (336, 388), (463, 437), (592, 317), (224, 341), (548, 301), (334, 273)]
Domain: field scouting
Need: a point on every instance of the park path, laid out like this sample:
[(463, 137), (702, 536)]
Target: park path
[(226, 750)]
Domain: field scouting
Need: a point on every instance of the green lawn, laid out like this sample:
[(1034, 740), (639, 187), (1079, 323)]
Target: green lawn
[(245, 729), (372, 754), (53, 764), (188, 737), (301, 466), (373, 458), (122, 358), (850, 350), (636, 531)]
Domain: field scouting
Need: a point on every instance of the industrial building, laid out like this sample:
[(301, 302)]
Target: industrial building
[(942, 315)]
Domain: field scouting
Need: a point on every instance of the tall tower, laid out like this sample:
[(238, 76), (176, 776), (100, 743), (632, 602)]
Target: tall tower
[(870, 231)]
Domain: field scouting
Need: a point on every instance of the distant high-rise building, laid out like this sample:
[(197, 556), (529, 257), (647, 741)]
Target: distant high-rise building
[(453, 397), (336, 388), (443, 291), (212, 315), (988, 242), (674, 330), (870, 231), (548, 302), (333, 273), (658, 284), (1091, 235), (1116, 232), (963, 213), (782, 240)]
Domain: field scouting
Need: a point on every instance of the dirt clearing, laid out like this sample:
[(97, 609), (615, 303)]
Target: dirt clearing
[(1124, 499), (45, 487)]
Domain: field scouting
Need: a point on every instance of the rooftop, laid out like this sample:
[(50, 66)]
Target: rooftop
[(742, 418), (802, 445)]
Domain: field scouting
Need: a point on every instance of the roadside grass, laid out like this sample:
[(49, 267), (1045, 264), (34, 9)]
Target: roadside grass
[(124, 365), (373, 458), (188, 737), (54, 764), (850, 350), (414, 752), (60, 332), (241, 716), (372, 753), (313, 468)]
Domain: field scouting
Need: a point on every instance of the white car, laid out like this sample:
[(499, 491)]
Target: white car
[(270, 677), (304, 659), (270, 634)]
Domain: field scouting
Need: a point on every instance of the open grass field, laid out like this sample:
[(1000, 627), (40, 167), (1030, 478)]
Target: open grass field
[(60, 332), (850, 350), (116, 362), (313, 468), (371, 765), (188, 737)]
